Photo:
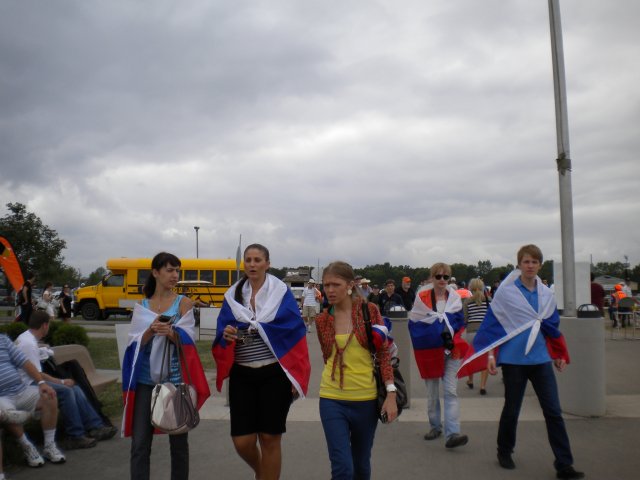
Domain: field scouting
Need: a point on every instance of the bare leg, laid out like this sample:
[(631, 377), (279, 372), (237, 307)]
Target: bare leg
[(247, 448), (271, 456), (49, 409)]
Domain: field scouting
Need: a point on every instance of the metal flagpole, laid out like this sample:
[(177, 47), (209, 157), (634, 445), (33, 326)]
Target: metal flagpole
[(238, 258), (563, 162)]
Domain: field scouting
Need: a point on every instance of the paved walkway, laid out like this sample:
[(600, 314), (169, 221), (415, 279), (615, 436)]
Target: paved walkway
[(605, 448)]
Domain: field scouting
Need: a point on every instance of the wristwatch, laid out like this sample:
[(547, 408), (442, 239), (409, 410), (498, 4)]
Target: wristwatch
[(391, 388)]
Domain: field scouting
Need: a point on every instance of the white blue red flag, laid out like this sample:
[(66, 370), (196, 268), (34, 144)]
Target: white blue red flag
[(278, 322), (185, 327), (426, 326), (510, 314)]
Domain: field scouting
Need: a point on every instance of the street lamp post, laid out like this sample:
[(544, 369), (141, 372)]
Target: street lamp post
[(563, 162), (197, 252)]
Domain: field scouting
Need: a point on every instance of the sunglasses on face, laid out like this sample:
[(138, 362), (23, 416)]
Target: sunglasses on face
[(440, 277)]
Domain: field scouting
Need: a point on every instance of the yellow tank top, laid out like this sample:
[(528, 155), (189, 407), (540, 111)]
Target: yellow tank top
[(358, 384)]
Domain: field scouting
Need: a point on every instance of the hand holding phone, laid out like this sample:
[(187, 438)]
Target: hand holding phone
[(164, 318)]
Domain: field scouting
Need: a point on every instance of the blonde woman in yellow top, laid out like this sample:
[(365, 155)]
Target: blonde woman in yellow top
[(348, 406)]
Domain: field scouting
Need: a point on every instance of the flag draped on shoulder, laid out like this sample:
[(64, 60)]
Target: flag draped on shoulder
[(426, 326), (278, 322), (510, 314), (185, 327)]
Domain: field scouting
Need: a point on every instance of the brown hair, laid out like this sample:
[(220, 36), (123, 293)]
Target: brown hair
[(532, 250), (344, 271), (38, 318), (440, 266)]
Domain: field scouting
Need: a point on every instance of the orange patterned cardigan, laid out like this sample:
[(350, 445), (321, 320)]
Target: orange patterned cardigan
[(326, 335)]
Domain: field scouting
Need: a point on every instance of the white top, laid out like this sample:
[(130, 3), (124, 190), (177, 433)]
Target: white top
[(28, 344), (309, 297)]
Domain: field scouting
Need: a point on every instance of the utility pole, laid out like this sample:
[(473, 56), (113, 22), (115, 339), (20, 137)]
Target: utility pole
[(197, 252)]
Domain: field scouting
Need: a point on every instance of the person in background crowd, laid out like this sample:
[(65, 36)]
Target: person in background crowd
[(462, 289), (389, 298), (259, 320), (82, 424), (310, 303), (407, 293), (348, 405), (65, 304), (365, 288), (374, 296), (614, 302), (597, 294), (436, 324), (522, 322), (25, 298), (475, 307), (626, 287), (17, 395), (47, 300)]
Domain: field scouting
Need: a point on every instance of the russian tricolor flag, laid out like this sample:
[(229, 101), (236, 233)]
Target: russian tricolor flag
[(426, 325), (510, 314), (278, 321), (185, 327)]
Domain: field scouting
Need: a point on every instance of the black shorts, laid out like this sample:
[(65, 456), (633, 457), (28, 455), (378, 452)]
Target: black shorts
[(259, 399)]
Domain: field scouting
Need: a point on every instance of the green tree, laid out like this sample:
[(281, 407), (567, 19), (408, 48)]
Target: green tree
[(484, 267), (96, 276), (37, 246)]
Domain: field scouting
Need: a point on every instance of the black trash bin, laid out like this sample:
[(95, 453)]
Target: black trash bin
[(588, 310)]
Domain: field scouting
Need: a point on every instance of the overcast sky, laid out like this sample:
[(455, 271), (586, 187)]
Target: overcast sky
[(406, 132)]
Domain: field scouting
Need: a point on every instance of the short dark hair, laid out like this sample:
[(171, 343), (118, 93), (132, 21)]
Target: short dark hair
[(38, 318), (162, 259)]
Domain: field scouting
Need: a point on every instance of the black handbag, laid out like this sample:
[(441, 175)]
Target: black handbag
[(401, 388)]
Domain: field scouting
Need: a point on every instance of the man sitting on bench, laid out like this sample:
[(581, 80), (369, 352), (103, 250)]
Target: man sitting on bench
[(82, 423)]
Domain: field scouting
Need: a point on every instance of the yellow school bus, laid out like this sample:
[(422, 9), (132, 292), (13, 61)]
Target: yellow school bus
[(121, 287)]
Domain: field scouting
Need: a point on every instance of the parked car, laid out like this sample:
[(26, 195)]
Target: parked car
[(6, 300)]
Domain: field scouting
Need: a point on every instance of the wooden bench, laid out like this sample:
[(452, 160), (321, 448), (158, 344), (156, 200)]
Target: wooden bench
[(98, 380)]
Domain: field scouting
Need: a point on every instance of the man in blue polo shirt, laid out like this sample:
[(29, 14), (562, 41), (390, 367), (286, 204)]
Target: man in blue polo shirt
[(526, 311)]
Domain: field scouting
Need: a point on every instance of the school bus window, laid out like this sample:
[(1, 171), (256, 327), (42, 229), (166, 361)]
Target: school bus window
[(115, 281), (142, 276), (234, 276), (222, 277), (206, 275), (190, 275)]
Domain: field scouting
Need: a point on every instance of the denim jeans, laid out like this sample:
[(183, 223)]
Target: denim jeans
[(543, 381), (78, 415), (140, 463), (451, 403), (349, 428)]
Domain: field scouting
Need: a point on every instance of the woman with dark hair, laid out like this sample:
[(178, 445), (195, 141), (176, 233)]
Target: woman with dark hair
[(162, 316), (25, 299), (261, 346), (348, 405)]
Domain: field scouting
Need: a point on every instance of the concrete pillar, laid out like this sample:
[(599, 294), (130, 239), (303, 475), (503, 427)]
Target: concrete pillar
[(400, 333), (582, 383)]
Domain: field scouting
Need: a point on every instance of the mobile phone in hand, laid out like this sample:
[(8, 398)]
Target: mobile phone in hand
[(164, 318), (384, 418)]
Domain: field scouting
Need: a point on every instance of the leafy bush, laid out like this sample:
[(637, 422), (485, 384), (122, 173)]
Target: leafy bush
[(67, 334), (13, 330), (53, 327)]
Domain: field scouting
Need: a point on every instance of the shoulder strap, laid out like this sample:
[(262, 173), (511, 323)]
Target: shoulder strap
[(367, 326)]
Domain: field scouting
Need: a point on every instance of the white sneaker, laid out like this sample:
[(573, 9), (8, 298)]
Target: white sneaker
[(16, 417), (33, 457), (53, 454)]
